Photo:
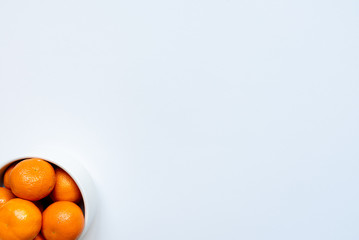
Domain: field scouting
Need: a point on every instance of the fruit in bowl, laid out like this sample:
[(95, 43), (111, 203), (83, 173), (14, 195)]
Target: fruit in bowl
[(40, 200)]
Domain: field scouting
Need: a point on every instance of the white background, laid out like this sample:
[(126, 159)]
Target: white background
[(198, 119)]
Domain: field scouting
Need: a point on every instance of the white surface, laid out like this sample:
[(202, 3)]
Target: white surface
[(197, 119)]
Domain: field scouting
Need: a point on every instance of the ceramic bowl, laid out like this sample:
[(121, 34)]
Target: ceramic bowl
[(80, 176)]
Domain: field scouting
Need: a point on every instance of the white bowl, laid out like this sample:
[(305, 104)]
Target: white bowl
[(80, 176)]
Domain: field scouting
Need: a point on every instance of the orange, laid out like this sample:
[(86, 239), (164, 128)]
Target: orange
[(32, 179), (65, 188), (19, 220), (39, 237), (62, 220), (5, 196), (7, 176)]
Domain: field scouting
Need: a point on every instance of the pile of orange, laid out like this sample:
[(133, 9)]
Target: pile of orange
[(39, 201)]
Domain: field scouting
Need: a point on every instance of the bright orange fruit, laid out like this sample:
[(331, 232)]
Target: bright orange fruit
[(32, 179), (19, 220), (5, 196), (7, 175), (62, 220), (65, 188)]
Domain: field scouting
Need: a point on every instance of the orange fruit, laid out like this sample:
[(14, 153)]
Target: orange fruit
[(39, 237), (7, 176), (32, 179), (19, 220), (65, 188), (5, 196), (62, 220)]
